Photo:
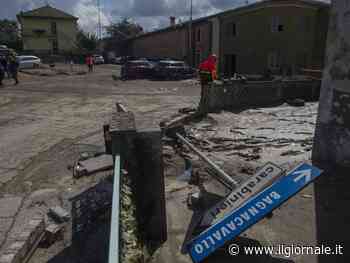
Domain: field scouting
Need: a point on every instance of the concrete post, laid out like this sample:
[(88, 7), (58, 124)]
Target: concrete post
[(332, 140)]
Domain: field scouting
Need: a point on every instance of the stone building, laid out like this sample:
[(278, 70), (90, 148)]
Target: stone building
[(280, 35), (47, 30)]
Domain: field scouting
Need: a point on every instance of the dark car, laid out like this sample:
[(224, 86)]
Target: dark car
[(172, 69), (136, 69)]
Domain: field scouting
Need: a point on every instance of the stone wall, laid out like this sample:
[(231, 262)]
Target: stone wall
[(238, 94)]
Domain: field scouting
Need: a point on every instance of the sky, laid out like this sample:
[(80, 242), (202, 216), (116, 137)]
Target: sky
[(150, 14)]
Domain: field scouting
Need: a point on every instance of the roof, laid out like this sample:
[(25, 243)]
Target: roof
[(47, 12), (318, 3)]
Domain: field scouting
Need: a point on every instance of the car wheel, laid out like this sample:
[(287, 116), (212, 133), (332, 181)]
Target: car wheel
[(36, 66)]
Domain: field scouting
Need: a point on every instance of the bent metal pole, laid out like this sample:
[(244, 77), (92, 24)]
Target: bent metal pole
[(224, 176)]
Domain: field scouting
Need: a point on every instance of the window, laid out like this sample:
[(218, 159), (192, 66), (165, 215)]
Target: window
[(53, 28), (55, 46), (276, 25), (304, 24), (234, 29), (199, 35), (273, 60)]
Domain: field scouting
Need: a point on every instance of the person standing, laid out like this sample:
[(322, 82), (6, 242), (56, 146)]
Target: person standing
[(3, 62), (2, 74), (207, 69), (13, 67), (90, 63)]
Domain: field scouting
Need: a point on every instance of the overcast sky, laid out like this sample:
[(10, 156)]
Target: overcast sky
[(151, 14)]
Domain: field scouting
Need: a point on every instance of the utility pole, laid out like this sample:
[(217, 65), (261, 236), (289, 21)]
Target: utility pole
[(331, 151), (190, 55), (99, 32)]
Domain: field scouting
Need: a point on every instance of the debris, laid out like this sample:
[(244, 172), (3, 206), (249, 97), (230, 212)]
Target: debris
[(291, 153), (296, 102), (186, 176), (59, 214), (93, 165), (307, 196), (53, 232)]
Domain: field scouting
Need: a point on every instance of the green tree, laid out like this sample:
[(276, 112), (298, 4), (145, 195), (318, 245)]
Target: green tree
[(86, 41), (123, 29), (9, 34)]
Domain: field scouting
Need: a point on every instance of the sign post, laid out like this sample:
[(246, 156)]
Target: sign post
[(263, 178), (252, 211)]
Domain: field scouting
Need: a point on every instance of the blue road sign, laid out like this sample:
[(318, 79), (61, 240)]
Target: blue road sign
[(252, 211)]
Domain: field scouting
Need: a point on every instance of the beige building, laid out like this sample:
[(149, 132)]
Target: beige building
[(47, 30)]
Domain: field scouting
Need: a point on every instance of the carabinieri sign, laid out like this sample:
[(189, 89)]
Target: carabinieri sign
[(252, 212)]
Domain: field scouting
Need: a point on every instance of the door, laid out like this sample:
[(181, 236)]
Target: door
[(230, 65)]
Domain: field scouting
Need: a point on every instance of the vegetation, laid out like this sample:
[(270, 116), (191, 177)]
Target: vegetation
[(9, 34), (86, 41), (123, 30)]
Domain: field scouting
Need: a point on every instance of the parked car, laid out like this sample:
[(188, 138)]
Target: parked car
[(98, 59), (173, 69), (117, 61), (136, 69), (26, 62)]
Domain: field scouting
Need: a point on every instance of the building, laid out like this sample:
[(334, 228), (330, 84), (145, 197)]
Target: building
[(47, 30), (277, 35)]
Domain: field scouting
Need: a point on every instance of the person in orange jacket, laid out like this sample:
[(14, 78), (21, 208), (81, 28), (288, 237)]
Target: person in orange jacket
[(207, 69)]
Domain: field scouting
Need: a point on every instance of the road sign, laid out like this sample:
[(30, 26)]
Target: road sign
[(252, 212), (263, 178)]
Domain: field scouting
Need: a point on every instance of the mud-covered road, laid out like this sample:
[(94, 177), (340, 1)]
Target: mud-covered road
[(47, 120)]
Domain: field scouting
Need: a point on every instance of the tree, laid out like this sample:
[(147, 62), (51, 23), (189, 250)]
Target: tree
[(9, 34), (123, 30), (86, 41)]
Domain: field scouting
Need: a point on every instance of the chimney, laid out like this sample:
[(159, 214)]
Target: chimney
[(172, 21)]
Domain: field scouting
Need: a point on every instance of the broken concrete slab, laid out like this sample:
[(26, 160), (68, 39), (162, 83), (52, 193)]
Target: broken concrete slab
[(22, 244), (9, 206), (93, 165), (9, 258), (59, 214)]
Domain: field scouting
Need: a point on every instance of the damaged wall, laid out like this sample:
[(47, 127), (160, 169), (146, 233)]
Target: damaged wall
[(241, 94)]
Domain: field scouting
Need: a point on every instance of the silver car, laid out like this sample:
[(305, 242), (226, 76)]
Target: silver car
[(26, 62), (98, 59)]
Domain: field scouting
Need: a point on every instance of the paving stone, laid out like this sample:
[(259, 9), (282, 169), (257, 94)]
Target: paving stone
[(5, 225), (9, 258), (9, 206)]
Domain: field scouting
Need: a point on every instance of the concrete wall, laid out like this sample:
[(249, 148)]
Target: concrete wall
[(254, 38), (202, 48), (66, 34), (242, 94)]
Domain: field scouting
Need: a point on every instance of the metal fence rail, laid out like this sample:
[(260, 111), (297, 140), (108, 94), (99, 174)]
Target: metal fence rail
[(114, 236)]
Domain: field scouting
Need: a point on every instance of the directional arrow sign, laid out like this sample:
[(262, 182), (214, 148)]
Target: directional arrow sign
[(263, 178), (303, 174), (251, 212)]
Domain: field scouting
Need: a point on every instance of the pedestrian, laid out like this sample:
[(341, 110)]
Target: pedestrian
[(207, 69), (2, 74), (3, 62), (13, 66), (90, 63)]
